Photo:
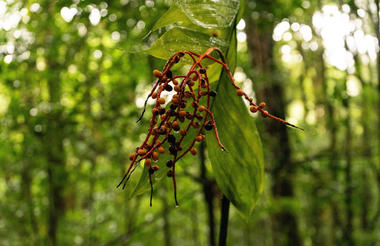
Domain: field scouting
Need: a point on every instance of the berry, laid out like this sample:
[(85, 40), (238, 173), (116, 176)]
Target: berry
[(239, 92), (172, 150), (169, 163), (202, 70), (155, 156), (141, 152), (253, 109), (201, 108), (169, 74), (262, 105), (161, 100), (154, 95), (161, 150), (212, 93), (168, 88), (171, 138), (132, 156), (157, 73), (209, 126), (148, 162), (169, 173), (193, 151)]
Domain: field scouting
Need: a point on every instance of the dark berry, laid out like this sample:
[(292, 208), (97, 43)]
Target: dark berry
[(162, 111), (168, 88), (172, 150), (169, 173), (212, 93), (173, 106), (169, 163), (171, 138), (202, 70), (209, 126), (169, 74), (151, 170)]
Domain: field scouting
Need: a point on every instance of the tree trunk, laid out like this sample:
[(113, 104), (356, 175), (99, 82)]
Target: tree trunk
[(208, 192), (260, 45)]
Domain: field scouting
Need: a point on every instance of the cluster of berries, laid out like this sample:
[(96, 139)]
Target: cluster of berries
[(188, 108)]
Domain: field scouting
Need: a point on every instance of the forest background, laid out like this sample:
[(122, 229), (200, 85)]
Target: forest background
[(70, 95)]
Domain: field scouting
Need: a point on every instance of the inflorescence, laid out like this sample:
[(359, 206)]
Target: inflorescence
[(171, 123)]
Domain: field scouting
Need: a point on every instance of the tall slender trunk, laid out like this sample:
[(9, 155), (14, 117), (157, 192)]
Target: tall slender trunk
[(260, 45), (348, 230), (54, 135), (377, 31), (166, 225), (208, 192)]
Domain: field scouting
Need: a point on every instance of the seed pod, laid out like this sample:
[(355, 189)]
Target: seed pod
[(154, 95), (132, 156), (194, 77), (191, 83), (161, 150), (161, 100), (193, 151), (175, 82), (141, 152), (157, 73), (239, 92)]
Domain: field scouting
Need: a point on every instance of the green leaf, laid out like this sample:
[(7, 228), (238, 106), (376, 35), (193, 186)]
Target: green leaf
[(207, 14), (177, 39), (210, 13), (239, 172)]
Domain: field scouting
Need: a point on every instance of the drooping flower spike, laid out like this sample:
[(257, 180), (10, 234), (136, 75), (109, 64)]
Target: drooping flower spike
[(165, 125)]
